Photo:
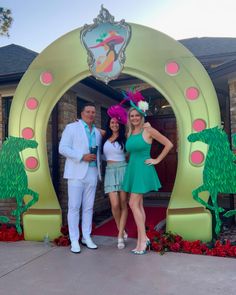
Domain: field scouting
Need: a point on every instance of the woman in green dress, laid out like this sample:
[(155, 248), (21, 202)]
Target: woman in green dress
[(141, 176)]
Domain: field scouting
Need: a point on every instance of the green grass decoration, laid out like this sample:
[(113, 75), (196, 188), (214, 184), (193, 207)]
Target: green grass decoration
[(219, 174), (13, 178)]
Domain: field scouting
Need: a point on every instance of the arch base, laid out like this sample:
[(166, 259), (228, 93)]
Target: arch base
[(190, 223), (38, 223)]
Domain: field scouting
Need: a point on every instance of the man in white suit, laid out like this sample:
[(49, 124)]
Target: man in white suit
[(80, 144)]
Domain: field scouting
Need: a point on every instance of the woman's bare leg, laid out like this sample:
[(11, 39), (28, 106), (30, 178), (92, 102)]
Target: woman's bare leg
[(123, 213), (115, 208), (143, 211), (135, 204)]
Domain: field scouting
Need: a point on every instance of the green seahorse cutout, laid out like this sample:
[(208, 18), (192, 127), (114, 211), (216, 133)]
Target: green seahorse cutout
[(219, 174), (13, 178)]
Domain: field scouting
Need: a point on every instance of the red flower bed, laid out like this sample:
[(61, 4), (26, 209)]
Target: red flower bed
[(162, 242), (9, 234), (63, 240)]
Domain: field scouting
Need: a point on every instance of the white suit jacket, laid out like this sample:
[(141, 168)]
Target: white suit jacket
[(73, 145)]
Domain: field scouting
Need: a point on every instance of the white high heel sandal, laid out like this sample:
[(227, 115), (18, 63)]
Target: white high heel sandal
[(121, 244), (125, 235)]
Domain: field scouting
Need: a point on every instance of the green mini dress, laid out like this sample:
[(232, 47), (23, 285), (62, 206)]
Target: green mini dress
[(139, 177)]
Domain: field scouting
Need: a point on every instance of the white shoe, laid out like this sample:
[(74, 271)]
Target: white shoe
[(121, 244), (75, 247), (89, 243)]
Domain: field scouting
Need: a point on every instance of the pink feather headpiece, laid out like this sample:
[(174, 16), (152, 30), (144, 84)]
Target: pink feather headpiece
[(118, 112), (136, 100), (134, 96)]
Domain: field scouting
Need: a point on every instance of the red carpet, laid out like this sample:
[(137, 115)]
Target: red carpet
[(153, 216)]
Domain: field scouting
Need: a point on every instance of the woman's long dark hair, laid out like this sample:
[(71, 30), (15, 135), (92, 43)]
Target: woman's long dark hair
[(111, 46), (121, 139)]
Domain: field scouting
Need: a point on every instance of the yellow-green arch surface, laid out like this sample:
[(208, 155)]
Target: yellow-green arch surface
[(160, 61)]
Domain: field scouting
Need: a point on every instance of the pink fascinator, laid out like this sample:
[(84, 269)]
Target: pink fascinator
[(134, 96), (118, 112), (137, 101)]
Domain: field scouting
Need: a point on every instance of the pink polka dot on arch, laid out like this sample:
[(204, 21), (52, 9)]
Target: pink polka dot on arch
[(192, 93), (197, 157), (32, 103), (172, 68), (27, 133), (199, 125), (46, 78), (31, 163)]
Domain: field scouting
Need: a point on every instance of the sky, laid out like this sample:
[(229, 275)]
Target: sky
[(37, 23)]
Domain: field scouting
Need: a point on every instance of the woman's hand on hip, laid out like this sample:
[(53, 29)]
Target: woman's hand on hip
[(152, 161)]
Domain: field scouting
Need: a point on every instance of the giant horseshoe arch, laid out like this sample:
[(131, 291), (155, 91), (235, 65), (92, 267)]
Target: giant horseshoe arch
[(151, 56)]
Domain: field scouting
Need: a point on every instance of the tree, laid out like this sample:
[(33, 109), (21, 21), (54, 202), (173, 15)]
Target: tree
[(5, 21)]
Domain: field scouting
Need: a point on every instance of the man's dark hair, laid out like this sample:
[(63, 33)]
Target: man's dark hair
[(88, 104)]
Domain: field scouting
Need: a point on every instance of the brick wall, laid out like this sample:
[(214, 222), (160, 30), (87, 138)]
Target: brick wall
[(232, 95), (6, 205)]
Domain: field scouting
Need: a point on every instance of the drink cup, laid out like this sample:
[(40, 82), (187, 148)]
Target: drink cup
[(93, 150)]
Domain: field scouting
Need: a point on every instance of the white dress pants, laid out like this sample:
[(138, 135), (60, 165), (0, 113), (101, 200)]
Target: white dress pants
[(81, 194)]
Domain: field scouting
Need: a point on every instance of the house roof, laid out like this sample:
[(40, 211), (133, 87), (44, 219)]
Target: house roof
[(208, 46), (227, 70), (15, 59)]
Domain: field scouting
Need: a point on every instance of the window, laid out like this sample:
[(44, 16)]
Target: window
[(6, 105)]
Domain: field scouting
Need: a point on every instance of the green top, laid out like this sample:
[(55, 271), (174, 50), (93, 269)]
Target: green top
[(139, 177), (91, 139)]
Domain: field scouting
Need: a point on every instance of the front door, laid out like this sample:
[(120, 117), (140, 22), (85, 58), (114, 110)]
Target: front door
[(167, 168)]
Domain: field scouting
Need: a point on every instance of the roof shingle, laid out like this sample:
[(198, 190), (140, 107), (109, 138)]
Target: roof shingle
[(210, 45), (15, 59)]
